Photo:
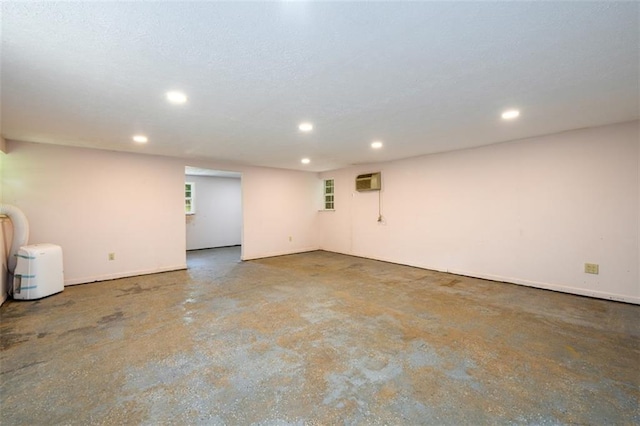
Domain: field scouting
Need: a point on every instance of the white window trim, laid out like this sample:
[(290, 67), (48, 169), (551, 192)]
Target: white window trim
[(324, 195), (192, 198)]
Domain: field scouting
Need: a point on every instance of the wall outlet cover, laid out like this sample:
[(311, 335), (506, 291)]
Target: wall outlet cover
[(591, 268)]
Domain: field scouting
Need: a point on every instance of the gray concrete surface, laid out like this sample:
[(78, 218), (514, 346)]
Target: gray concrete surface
[(316, 338)]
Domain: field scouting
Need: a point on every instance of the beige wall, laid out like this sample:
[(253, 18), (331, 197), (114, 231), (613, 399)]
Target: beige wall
[(5, 235), (4, 231), (278, 204), (94, 202), (530, 212), (217, 221)]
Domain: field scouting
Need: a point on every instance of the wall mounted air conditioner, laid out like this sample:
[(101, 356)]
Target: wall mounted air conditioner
[(369, 182)]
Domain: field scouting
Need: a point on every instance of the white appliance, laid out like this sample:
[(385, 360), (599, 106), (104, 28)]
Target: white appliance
[(38, 272), (369, 182)]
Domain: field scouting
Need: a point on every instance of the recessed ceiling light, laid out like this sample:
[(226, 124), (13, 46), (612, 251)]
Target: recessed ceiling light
[(305, 127), (376, 145), (140, 139), (305, 161), (176, 97), (510, 114)]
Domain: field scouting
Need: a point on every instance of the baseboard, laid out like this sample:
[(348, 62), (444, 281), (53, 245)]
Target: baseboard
[(280, 253), (216, 247), (107, 277), (386, 260), (518, 281), (553, 287)]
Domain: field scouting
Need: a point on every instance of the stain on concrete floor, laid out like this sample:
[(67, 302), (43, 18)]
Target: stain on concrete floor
[(316, 338)]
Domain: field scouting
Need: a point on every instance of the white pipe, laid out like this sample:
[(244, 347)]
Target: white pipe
[(20, 233)]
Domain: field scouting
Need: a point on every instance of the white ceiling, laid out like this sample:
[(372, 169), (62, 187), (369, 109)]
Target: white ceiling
[(424, 77)]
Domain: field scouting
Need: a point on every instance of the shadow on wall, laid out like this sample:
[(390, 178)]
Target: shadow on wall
[(6, 234)]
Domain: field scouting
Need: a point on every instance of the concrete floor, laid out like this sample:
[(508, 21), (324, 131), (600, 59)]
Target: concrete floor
[(317, 338)]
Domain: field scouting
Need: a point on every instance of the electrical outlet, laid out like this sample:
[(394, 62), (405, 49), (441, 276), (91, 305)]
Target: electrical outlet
[(290, 238), (112, 256), (591, 268)]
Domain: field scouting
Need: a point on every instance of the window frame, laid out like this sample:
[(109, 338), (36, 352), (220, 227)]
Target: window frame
[(190, 201), (325, 202)]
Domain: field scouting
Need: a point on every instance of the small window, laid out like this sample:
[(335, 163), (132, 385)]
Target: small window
[(329, 194), (189, 198)]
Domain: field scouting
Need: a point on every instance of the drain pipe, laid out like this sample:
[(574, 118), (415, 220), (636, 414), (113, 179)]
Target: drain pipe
[(20, 233)]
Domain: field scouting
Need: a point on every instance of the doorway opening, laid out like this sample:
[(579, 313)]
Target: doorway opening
[(213, 212)]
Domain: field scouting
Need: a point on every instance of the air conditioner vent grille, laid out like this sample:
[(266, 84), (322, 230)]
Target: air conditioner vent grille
[(369, 182)]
